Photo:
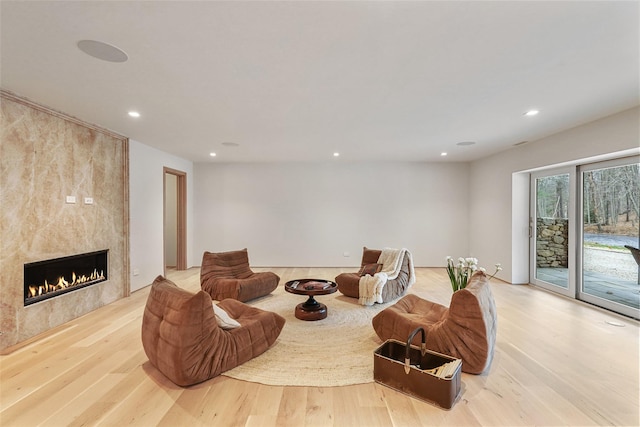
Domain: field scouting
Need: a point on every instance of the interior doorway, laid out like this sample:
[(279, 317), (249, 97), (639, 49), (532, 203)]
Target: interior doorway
[(174, 219)]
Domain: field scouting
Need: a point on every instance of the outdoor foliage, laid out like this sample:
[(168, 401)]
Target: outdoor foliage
[(553, 196), (610, 195)]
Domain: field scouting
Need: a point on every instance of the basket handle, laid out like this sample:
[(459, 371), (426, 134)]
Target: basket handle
[(423, 348)]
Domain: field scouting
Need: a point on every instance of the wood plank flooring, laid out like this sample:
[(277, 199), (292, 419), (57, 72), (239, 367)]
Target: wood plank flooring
[(557, 362)]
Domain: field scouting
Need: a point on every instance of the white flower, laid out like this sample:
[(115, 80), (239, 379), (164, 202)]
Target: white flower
[(460, 273)]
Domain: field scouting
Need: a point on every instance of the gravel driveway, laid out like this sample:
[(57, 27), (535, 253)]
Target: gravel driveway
[(610, 262)]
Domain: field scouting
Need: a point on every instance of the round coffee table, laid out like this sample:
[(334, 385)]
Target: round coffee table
[(311, 309)]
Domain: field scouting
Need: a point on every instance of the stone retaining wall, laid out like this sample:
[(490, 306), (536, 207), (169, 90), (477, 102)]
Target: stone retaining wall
[(552, 246)]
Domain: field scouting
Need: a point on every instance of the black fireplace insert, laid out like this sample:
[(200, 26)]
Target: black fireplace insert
[(50, 278)]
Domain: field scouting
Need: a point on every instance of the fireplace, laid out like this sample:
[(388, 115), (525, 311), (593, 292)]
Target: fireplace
[(54, 277)]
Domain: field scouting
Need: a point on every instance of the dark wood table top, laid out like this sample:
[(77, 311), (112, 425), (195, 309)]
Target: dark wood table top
[(311, 287)]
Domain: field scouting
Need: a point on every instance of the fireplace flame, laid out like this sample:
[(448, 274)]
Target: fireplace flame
[(37, 290)]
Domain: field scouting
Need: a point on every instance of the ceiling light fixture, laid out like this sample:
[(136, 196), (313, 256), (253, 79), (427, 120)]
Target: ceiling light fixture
[(103, 51), (443, 154), (212, 154), (531, 113), (133, 114), (336, 154)]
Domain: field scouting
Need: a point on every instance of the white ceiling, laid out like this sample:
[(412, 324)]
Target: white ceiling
[(298, 81)]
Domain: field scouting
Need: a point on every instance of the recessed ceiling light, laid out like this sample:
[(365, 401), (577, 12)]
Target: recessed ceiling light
[(336, 154), (443, 154), (133, 114), (212, 154), (531, 113), (465, 143), (103, 51)]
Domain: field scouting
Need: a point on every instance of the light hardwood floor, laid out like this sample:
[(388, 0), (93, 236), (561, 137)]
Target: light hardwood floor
[(557, 362)]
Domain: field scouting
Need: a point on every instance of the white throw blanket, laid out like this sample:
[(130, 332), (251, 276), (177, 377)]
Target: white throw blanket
[(370, 287)]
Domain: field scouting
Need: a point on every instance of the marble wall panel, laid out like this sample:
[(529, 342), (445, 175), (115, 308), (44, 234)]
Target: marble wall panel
[(44, 157)]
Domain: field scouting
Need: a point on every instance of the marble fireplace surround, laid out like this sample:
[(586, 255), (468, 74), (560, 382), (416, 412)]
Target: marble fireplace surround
[(46, 156)]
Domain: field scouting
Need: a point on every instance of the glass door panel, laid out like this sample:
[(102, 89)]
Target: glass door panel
[(550, 224), (610, 225)]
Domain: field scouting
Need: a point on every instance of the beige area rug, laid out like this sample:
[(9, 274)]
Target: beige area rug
[(335, 351)]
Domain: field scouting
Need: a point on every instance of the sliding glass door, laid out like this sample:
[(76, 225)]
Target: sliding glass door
[(608, 272), (552, 230), (584, 227)]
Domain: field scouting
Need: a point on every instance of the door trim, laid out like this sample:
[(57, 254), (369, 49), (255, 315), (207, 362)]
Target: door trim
[(181, 250), (580, 293), (570, 290)]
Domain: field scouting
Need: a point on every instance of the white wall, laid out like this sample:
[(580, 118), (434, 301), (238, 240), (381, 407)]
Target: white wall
[(498, 190), (309, 214), (146, 211)]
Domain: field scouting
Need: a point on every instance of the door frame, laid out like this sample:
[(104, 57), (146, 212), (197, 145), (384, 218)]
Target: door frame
[(580, 293), (181, 241), (570, 290)]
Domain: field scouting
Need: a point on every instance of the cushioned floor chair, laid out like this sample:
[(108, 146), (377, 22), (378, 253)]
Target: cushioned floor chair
[(228, 275), (349, 283), (635, 252), (466, 329), (182, 339)]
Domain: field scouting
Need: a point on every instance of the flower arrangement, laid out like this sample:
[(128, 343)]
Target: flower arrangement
[(460, 273)]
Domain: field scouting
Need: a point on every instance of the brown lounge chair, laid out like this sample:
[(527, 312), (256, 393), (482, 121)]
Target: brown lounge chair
[(635, 252), (465, 330), (349, 283), (228, 275), (183, 340)]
